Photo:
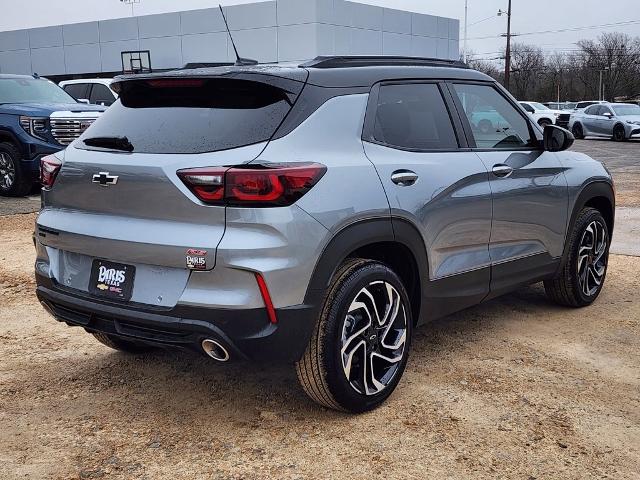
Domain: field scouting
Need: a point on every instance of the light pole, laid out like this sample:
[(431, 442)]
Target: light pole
[(507, 59), (601, 86), (132, 3), (466, 25)]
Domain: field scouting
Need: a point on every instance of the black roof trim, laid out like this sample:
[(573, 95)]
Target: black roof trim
[(347, 61)]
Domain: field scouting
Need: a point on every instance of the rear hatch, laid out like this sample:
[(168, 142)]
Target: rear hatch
[(119, 198)]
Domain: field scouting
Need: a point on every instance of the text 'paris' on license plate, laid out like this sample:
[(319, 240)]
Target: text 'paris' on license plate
[(111, 280)]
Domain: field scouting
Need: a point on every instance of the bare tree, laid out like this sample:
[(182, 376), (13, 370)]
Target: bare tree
[(527, 68), (617, 56), (484, 66), (574, 75)]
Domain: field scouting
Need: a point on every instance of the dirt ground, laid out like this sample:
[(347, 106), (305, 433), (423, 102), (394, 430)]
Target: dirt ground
[(515, 388), (623, 161)]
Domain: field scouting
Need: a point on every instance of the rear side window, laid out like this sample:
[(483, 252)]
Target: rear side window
[(77, 90), (414, 117), (101, 95), (495, 123), (584, 104), (195, 115)]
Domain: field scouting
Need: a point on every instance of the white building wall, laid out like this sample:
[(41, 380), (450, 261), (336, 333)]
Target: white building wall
[(271, 31)]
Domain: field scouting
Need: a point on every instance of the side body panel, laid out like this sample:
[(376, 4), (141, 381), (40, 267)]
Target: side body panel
[(529, 206), (589, 123), (604, 124), (350, 192), (529, 217), (450, 203)]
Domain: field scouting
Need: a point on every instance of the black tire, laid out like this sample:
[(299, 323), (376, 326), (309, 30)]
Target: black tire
[(577, 131), (543, 122), (619, 135), (13, 181), (568, 287), (322, 372), (120, 344)]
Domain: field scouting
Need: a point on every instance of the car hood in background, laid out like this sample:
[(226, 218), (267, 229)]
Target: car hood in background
[(630, 118), (46, 109)]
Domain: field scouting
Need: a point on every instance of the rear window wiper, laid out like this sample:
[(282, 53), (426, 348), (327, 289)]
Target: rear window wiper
[(113, 143)]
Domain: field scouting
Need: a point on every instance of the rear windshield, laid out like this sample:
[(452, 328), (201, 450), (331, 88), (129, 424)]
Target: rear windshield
[(195, 115)]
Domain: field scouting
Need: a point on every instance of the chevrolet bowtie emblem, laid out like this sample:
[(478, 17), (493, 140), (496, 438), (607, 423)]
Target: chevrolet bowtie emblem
[(104, 179)]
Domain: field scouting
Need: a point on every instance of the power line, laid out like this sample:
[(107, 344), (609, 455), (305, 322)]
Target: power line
[(483, 20), (562, 30)]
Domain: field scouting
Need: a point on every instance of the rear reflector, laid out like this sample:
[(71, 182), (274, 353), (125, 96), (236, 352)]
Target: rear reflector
[(49, 168), (263, 185), (266, 297)]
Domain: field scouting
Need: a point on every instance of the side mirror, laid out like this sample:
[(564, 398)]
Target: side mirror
[(557, 139), (607, 114), (83, 100)]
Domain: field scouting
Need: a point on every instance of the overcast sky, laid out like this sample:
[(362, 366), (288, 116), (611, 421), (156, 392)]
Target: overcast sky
[(528, 16)]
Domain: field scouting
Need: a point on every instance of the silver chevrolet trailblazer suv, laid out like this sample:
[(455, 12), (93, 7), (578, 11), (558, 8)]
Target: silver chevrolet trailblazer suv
[(313, 213)]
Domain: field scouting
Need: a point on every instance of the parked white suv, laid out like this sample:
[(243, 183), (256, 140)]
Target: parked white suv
[(540, 113), (95, 91)]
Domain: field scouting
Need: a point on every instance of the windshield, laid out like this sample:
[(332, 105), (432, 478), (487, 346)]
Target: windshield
[(32, 90), (539, 106), (627, 110), (570, 106)]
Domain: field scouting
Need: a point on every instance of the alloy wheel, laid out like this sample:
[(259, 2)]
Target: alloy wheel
[(7, 172), (592, 259), (374, 337), (618, 134), (577, 131)]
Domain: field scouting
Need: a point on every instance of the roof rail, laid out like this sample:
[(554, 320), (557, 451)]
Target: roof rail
[(346, 61)]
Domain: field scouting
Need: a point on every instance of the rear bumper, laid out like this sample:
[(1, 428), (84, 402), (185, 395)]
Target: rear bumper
[(247, 334)]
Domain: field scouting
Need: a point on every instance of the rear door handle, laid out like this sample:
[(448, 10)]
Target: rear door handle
[(404, 178), (501, 170)]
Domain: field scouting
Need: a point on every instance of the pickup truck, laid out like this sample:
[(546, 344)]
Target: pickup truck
[(37, 118)]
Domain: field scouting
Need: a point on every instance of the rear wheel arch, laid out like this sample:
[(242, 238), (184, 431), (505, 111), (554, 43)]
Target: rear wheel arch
[(396, 243)]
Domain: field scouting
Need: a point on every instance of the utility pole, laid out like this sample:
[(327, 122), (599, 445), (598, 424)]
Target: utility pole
[(507, 60), (466, 24)]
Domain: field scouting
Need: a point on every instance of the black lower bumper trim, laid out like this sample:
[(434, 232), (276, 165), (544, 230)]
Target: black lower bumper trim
[(247, 334)]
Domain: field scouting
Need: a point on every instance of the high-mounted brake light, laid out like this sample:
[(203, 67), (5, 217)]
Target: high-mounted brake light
[(264, 185), (176, 83), (49, 168)]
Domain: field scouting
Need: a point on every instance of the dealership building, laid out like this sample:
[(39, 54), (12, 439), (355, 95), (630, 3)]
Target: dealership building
[(268, 31)]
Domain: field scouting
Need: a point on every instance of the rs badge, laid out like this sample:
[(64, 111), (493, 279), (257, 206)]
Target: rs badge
[(196, 259)]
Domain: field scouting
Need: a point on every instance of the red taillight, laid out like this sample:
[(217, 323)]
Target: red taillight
[(253, 185), (49, 168), (206, 183)]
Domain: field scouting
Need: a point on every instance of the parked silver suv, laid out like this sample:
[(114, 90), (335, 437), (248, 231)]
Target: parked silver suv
[(314, 214)]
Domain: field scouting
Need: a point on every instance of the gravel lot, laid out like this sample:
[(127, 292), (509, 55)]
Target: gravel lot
[(514, 388)]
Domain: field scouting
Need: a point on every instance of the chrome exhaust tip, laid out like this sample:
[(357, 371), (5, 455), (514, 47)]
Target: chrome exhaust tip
[(215, 350)]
